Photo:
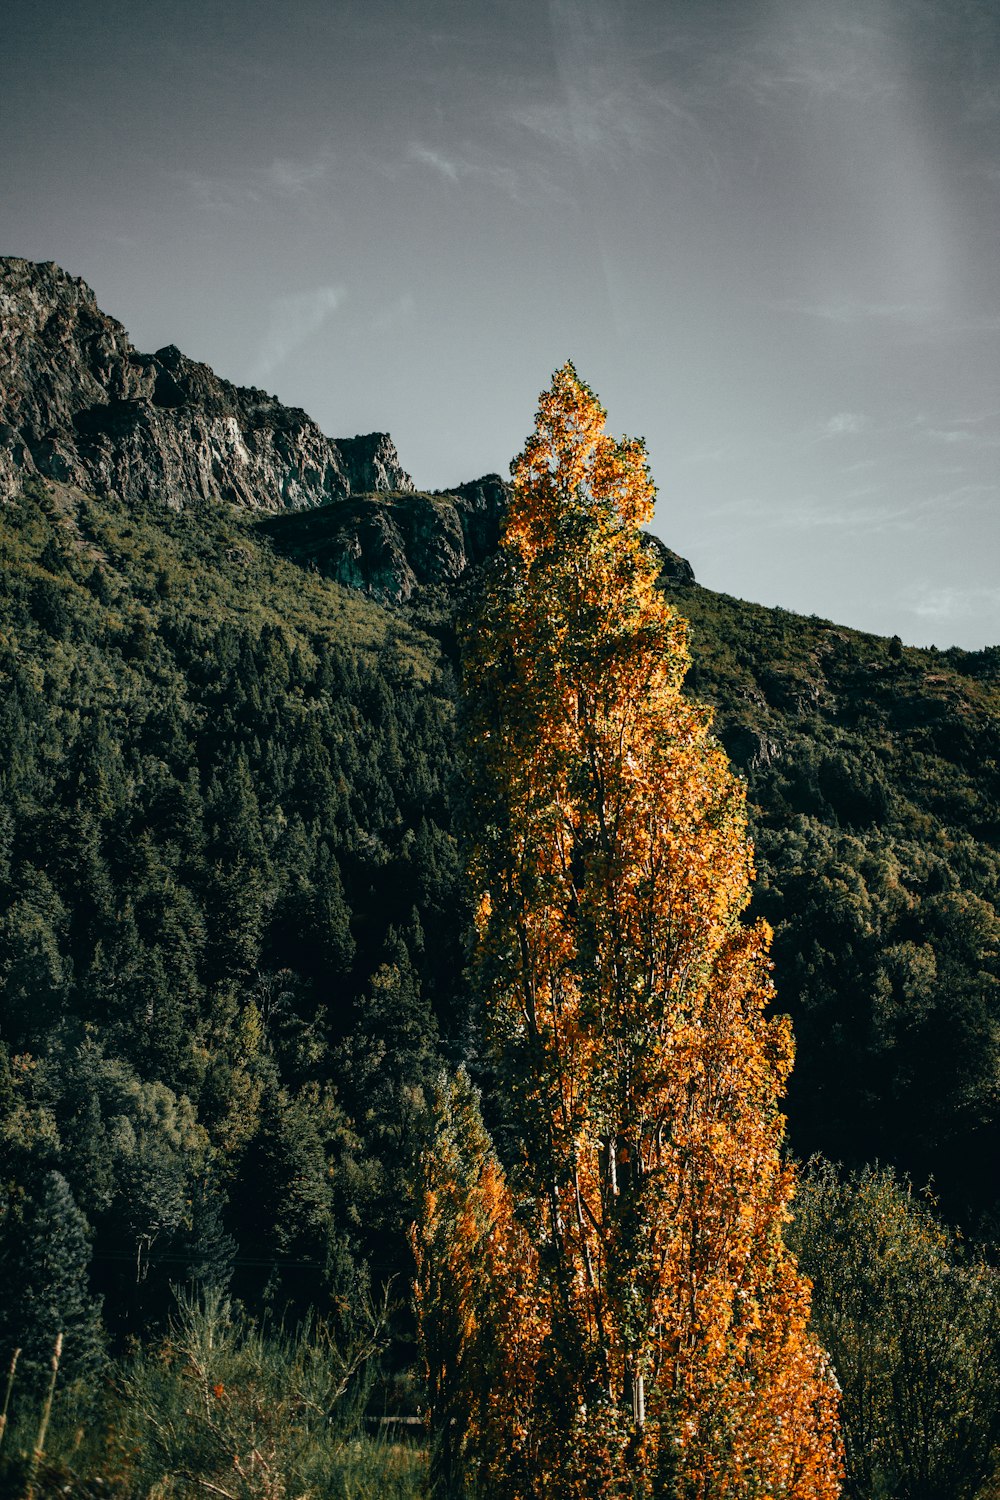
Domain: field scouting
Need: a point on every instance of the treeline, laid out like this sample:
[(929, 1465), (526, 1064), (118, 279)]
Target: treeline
[(232, 922), (874, 782), (233, 936)]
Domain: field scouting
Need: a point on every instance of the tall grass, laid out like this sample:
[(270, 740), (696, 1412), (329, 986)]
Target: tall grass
[(224, 1407)]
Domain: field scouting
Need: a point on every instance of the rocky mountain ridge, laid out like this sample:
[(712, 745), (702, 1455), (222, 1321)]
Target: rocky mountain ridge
[(390, 545), (80, 406)]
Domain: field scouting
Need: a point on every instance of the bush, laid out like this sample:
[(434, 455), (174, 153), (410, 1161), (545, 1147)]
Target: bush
[(911, 1320)]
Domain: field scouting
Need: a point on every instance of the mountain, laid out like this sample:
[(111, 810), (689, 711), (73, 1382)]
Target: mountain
[(80, 406), (389, 546), (232, 913), (83, 407)]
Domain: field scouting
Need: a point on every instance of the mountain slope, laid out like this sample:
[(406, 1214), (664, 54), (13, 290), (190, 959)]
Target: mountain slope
[(232, 918), (874, 782)]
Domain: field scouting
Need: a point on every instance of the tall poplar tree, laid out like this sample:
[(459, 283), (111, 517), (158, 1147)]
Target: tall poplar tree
[(661, 1345)]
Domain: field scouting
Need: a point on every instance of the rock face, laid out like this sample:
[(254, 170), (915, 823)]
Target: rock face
[(674, 569), (79, 405), (390, 546)]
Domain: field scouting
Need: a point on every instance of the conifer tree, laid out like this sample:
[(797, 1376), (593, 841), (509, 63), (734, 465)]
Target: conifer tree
[(46, 1262), (625, 1003)]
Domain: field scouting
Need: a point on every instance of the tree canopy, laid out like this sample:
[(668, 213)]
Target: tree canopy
[(662, 1345)]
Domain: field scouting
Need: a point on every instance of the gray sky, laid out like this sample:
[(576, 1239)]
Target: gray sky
[(768, 234)]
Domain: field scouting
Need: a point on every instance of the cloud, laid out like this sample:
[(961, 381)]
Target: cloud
[(455, 168), (910, 314), (846, 422), (929, 318), (294, 319), (814, 61), (277, 181), (811, 514), (841, 424), (440, 164), (608, 114), (294, 177), (622, 91), (955, 603), (977, 432)]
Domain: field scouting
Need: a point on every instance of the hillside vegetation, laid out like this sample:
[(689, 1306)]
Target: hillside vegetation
[(234, 928), (874, 778)]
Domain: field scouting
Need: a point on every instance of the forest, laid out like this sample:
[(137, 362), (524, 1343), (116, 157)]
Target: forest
[(235, 934)]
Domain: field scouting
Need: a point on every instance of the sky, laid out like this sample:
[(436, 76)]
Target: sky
[(767, 234)]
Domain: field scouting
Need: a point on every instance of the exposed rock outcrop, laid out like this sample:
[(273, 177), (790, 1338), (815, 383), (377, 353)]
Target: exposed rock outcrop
[(389, 545), (80, 405), (674, 569)]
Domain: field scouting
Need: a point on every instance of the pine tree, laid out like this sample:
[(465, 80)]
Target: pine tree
[(47, 1266), (625, 1005), (211, 1250)]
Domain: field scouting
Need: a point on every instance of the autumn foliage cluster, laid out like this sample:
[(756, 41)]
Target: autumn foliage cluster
[(611, 1310)]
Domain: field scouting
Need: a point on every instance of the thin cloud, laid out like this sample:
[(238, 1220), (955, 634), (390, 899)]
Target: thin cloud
[(456, 169), (909, 314), (811, 514), (955, 603), (841, 424), (293, 319), (846, 423), (811, 53), (276, 182), (294, 177), (607, 108), (977, 432), (928, 318), (605, 126), (974, 497), (814, 69), (441, 164), (718, 454)]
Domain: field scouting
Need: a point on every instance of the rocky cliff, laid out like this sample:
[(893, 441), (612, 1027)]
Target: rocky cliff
[(80, 405), (388, 546)]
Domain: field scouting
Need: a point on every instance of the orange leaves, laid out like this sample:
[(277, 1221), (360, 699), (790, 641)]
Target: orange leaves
[(637, 1314), (475, 1294)]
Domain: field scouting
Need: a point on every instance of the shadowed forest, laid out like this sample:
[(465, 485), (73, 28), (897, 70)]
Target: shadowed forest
[(234, 937)]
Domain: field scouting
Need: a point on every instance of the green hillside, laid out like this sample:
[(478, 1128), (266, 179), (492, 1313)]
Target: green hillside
[(232, 917), (874, 775), (233, 925)]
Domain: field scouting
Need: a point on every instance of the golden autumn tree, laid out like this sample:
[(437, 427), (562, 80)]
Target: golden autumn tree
[(624, 1291)]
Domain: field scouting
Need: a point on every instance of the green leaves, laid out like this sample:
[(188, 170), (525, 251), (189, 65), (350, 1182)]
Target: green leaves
[(911, 1320)]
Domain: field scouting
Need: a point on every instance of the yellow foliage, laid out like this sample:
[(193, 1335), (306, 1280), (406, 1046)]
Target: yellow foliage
[(646, 1326)]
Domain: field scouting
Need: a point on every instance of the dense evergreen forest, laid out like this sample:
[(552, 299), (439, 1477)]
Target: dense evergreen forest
[(233, 936)]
